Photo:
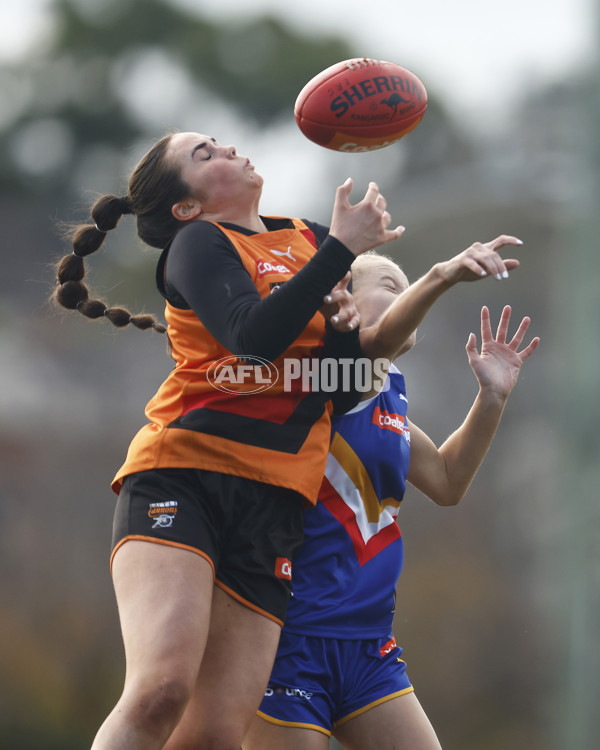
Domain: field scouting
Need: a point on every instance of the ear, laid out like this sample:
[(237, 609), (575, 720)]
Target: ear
[(186, 210)]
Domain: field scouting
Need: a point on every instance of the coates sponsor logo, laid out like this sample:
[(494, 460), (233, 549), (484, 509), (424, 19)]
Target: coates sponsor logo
[(264, 267), (389, 646), (387, 421), (242, 375), (163, 514), (283, 568)]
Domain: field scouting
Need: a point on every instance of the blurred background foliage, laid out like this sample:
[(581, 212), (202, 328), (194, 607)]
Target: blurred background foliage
[(110, 70), (498, 608)]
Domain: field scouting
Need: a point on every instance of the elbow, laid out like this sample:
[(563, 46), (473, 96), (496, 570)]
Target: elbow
[(448, 498), (450, 489), (261, 349), (452, 501), (373, 346)]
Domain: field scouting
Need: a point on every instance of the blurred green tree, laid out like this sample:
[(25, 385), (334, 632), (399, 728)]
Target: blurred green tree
[(87, 86)]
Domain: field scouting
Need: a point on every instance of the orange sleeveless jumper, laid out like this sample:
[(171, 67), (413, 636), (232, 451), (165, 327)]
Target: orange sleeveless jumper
[(271, 436)]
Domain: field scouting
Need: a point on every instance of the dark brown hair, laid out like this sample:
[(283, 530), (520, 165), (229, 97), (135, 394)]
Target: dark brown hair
[(154, 187)]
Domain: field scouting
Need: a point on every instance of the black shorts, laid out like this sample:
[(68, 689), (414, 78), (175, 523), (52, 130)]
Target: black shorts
[(249, 531)]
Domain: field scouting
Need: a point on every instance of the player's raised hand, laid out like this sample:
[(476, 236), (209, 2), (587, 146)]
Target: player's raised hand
[(364, 225), (480, 260), (339, 308), (498, 365)]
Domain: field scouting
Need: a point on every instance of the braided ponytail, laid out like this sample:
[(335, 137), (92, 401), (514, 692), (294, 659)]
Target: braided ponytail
[(72, 293), (154, 187)]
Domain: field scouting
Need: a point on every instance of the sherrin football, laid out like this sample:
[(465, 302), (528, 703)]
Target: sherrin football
[(360, 105)]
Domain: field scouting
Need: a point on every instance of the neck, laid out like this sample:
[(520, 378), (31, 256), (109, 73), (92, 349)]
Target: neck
[(248, 220), (253, 223), (240, 210)]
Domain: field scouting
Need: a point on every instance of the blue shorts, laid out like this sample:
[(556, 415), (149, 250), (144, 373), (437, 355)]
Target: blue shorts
[(321, 683)]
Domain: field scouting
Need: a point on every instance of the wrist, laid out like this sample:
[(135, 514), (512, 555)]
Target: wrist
[(440, 274), (345, 243), (493, 397)]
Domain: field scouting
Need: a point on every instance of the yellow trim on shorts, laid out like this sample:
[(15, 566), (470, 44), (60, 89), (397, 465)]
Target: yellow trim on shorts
[(337, 724), (293, 724), (166, 542)]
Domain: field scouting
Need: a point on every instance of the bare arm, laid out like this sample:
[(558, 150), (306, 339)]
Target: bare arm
[(444, 474), (386, 337)]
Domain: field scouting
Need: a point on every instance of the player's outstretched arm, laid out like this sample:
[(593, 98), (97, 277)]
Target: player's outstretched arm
[(386, 337), (444, 474)]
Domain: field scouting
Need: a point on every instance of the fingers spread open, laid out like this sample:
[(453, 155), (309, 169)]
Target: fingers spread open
[(502, 330), (517, 339), (528, 351), (486, 329)]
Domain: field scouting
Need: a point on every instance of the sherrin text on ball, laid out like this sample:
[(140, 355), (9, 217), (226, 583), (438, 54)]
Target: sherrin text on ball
[(360, 105)]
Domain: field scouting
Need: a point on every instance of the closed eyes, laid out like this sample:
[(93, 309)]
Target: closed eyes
[(204, 145)]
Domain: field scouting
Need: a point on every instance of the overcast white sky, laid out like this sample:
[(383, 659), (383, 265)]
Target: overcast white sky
[(473, 48), (474, 52), (469, 52)]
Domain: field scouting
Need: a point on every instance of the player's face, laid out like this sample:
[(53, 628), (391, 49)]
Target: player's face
[(375, 287), (217, 175)]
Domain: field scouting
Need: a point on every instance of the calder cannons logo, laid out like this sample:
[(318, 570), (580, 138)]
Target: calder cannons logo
[(242, 375), (163, 514)]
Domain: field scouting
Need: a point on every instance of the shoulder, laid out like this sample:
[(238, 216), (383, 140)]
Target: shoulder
[(319, 230), (396, 380), (196, 231), (199, 250), (198, 240)]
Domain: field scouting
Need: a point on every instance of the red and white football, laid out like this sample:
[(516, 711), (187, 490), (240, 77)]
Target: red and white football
[(360, 105)]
